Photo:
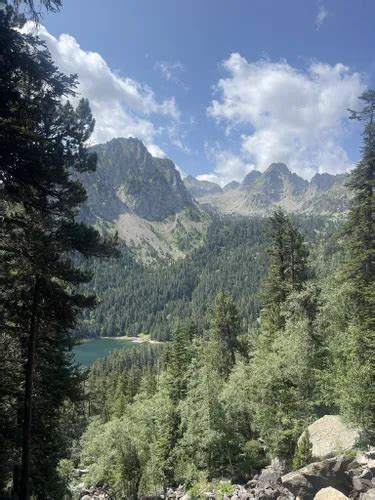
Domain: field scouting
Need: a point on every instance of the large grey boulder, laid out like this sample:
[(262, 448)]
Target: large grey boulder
[(330, 436), (330, 494), (306, 482), (369, 495)]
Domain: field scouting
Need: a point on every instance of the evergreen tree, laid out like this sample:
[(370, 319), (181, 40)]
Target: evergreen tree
[(283, 365), (303, 454), (224, 330), (360, 229), (287, 272), (354, 379), (44, 144)]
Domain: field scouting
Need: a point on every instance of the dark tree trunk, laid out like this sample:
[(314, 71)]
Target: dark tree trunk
[(27, 409)]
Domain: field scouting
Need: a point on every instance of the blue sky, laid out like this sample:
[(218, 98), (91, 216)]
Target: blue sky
[(222, 87)]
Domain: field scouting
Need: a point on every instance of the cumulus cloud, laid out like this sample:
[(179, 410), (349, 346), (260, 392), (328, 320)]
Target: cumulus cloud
[(121, 106), (296, 117), (228, 167), (321, 15)]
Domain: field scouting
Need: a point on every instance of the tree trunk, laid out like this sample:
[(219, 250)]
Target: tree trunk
[(27, 408)]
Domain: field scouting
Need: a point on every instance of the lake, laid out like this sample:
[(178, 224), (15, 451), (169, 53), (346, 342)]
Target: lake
[(90, 350)]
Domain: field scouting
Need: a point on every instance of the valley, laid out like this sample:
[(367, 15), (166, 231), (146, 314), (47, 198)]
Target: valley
[(187, 250)]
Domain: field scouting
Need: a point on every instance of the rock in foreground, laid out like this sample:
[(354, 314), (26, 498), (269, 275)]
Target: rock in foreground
[(330, 436)]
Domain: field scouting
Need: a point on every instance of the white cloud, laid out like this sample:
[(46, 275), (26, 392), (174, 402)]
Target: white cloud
[(296, 117), (155, 150), (169, 70), (121, 106), (228, 167), (321, 15), (172, 72), (211, 178)]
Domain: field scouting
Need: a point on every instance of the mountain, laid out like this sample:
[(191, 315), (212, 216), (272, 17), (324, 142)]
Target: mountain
[(144, 199), (259, 193), (276, 184), (250, 179), (198, 188), (129, 180), (160, 215), (231, 185)]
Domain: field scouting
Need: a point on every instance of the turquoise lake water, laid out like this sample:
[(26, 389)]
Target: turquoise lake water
[(91, 350)]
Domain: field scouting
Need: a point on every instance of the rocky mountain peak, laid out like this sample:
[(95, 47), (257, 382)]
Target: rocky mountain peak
[(198, 188), (231, 185), (324, 182), (277, 168), (129, 180), (251, 178)]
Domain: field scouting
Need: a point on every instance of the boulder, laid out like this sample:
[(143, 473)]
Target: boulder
[(330, 435), (306, 482), (369, 495), (330, 494)]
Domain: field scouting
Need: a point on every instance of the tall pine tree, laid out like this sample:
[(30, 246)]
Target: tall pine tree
[(43, 147)]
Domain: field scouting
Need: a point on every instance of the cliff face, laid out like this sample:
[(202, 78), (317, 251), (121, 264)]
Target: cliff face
[(199, 188), (129, 180)]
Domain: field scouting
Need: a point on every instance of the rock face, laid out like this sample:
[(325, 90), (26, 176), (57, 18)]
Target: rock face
[(129, 180), (306, 482), (369, 495), (276, 183), (250, 179), (198, 188), (330, 494), (231, 185), (331, 435)]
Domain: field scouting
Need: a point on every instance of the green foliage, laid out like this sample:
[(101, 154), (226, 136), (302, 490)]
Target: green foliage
[(43, 141), (113, 457), (223, 488), (303, 454), (284, 365), (198, 489)]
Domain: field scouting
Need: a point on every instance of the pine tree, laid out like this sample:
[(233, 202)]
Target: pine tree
[(44, 143), (303, 454), (283, 364), (360, 229), (287, 272), (224, 330), (354, 349)]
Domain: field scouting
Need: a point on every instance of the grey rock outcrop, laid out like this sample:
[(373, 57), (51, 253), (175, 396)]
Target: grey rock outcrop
[(231, 185), (250, 179), (330, 435), (129, 180), (306, 482), (330, 494), (199, 188), (369, 495)]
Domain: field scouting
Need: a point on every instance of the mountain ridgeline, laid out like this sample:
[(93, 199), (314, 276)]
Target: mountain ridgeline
[(130, 184), (260, 192)]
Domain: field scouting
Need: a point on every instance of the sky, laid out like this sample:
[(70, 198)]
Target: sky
[(222, 86)]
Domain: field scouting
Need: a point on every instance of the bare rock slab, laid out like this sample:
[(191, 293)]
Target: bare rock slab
[(330, 494), (330, 436)]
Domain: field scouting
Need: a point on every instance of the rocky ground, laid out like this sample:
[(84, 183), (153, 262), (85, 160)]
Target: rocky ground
[(346, 475), (336, 478)]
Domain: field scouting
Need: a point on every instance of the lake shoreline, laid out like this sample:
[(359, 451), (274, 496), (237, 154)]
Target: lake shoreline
[(134, 340)]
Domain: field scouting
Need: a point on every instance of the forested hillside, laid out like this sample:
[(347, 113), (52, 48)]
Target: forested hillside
[(137, 298), (219, 401)]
